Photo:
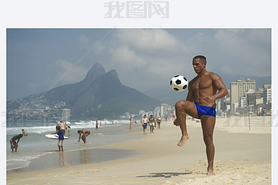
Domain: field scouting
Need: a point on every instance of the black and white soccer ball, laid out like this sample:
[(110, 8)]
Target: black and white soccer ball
[(179, 83)]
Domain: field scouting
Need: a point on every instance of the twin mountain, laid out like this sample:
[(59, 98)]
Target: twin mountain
[(100, 95)]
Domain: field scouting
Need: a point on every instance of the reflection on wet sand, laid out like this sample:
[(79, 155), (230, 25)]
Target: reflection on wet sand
[(62, 161), (85, 156)]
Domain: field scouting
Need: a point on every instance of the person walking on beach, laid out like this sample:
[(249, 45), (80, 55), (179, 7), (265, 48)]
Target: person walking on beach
[(152, 123), (14, 142), (144, 123), (203, 90), (158, 121), (60, 139), (130, 124), (85, 133)]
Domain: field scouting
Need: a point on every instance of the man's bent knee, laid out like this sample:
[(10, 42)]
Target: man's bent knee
[(181, 105)]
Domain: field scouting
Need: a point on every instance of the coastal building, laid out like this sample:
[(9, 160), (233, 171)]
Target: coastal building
[(267, 94), (65, 114), (239, 89), (163, 110)]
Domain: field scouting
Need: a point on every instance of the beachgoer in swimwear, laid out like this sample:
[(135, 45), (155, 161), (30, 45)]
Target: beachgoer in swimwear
[(62, 126), (203, 90), (85, 133), (96, 124), (69, 130), (144, 123), (158, 121), (130, 124), (60, 139), (14, 142), (152, 123)]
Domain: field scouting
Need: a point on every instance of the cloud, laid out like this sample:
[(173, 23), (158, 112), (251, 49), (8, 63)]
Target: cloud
[(147, 39), (68, 73), (248, 48)]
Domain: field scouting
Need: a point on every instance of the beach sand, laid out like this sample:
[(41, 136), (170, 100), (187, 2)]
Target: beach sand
[(243, 156)]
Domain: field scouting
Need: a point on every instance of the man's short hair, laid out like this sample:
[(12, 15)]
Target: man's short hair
[(203, 58)]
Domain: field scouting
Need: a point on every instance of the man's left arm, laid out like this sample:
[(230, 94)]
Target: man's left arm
[(219, 85)]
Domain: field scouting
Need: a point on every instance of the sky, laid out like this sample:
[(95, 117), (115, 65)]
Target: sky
[(145, 59)]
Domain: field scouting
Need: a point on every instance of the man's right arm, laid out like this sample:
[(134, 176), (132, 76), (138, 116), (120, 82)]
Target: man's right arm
[(190, 94)]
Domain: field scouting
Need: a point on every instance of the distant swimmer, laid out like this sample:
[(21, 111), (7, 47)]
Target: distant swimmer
[(14, 142), (203, 90), (85, 133), (24, 132)]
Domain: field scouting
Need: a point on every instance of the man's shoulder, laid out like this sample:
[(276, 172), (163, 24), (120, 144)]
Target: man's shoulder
[(193, 80), (214, 76)]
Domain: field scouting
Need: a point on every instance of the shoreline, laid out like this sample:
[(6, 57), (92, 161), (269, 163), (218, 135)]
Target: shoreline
[(240, 158)]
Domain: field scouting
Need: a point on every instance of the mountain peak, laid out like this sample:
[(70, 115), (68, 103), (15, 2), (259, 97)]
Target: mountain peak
[(113, 73), (96, 71)]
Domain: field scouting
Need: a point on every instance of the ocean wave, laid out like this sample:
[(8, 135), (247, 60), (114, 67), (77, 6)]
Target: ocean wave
[(42, 129), (15, 164)]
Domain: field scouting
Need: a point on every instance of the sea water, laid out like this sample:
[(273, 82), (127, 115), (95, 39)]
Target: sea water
[(36, 145)]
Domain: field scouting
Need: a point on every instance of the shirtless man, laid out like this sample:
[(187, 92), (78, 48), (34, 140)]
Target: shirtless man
[(62, 126), (203, 90), (85, 133), (14, 142)]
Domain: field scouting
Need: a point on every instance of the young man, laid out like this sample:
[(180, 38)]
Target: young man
[(203, 90), (144, 123)]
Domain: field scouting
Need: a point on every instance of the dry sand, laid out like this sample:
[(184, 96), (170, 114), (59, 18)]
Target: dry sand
[(241, 158)]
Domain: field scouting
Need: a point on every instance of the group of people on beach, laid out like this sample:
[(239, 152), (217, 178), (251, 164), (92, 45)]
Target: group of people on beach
[(61, 128), (152, 123)]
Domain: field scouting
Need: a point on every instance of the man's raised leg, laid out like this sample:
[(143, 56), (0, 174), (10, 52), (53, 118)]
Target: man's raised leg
[(183, 108)]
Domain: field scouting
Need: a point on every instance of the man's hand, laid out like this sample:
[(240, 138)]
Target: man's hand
[(209, 99)]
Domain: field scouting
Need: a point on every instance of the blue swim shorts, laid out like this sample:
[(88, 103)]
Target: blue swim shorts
[(144, 125), (205, 110)]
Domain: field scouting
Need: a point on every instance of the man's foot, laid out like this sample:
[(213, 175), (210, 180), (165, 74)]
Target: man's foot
[(210, 173), (183, 140)]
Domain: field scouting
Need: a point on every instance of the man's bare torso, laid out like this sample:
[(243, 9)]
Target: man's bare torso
[(202, 87)]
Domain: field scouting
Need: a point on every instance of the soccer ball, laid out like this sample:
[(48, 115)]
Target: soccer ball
[(179, 83)]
